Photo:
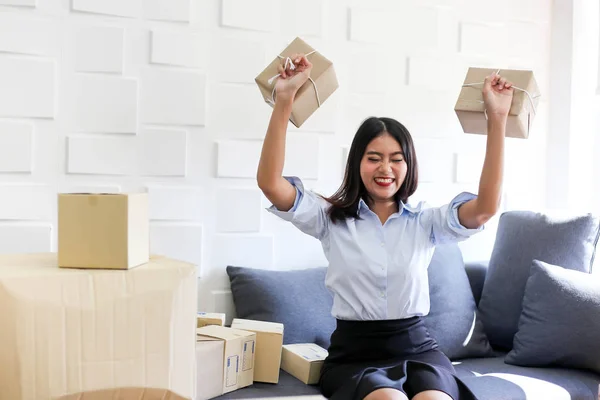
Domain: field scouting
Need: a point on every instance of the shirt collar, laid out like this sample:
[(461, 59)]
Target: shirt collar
[(362, 206)]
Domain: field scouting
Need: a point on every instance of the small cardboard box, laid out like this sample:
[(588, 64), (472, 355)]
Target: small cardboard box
[(68, 331), (106, 231), (210, 319), (269, 342), (209, 361), (470, 108), (313, 93), (304, 361), (236, 362), (133, 393)]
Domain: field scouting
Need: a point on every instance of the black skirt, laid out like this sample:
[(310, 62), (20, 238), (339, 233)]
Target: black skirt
[(400, 354)]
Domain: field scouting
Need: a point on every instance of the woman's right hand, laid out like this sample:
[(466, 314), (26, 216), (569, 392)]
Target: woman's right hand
[(290, 81)]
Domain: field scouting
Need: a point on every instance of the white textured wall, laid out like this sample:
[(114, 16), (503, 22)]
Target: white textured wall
[(158, 95)]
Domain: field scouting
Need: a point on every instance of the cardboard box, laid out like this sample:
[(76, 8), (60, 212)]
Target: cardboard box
[(209, 360), (303, 361), (269, 342), (108, 231), (312, 94), (470, 108), (68, 331), (225, 359), (125, 394), (210, 319)]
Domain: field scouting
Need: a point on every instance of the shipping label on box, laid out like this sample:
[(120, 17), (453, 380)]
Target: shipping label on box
[(237, 359), (269, 342), (470, 108), (303, 361), (321, 85), (103, 231), (205, 318)]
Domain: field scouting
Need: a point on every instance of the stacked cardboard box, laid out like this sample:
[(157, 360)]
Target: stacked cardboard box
[(84, 323), (205, 318), (269, 342), (226, 359), (104, 231), (67, 331), (304, 361)]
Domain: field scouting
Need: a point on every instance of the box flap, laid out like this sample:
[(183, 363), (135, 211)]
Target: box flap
[(204, 338), (222, 332), (260, 326)]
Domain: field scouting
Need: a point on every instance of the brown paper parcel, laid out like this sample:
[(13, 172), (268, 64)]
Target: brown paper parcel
[(322, 83), (470, 107)]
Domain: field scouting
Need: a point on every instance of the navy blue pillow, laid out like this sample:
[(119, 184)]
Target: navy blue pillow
[(560, 320), (297, 298), (524, 236)]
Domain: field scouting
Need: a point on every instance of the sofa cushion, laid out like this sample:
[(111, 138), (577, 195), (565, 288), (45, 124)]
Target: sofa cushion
[(493, 379), (297, 298), (523, 236), (560, 322), (452, 319), (489, 378), (476, 271)]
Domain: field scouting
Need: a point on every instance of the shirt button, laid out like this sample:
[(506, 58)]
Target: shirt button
[(382, 294), (382, 244)]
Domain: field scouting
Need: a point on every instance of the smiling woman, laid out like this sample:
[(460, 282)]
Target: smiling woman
[(379, 247), (381, 165)]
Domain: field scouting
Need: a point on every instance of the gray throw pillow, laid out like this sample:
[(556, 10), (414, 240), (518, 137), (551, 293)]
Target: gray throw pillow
[(297, 298), (523, 236), (452, 320), (560, 321)]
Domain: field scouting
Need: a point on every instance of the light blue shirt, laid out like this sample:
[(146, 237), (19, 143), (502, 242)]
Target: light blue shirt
[(378, 271)]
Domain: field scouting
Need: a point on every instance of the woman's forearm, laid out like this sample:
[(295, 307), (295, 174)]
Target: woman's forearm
[(490, 183), (270, 167)]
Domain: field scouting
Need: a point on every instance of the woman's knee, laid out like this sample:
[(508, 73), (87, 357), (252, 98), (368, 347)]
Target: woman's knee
[(432, 395), (386, 394)]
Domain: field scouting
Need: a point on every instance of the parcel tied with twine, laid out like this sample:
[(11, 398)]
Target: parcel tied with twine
[(317, 89), (471, 111)]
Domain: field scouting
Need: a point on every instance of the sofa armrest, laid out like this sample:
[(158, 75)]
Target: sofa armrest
[(476, 271)]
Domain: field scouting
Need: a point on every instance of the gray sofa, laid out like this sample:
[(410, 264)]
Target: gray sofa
[(488, 377), (517, 370)]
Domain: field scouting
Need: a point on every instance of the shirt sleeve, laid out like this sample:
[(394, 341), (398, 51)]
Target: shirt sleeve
[(443, 224), (309, 212)]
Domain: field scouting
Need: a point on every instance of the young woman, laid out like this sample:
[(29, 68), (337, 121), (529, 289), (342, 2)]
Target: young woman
[(379, 247)]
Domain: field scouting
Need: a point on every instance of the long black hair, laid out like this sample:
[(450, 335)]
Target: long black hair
[(344, 202)]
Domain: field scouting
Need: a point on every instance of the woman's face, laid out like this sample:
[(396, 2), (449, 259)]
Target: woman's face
[(383, 167)]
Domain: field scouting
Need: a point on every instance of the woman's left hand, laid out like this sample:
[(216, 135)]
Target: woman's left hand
[(497, 95)]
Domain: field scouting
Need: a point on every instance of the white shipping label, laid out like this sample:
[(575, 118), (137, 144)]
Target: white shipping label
[(248, 355), (231, 371), (311, 352)]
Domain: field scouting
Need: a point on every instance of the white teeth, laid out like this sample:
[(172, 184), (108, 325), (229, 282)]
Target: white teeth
[(387, 180)]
